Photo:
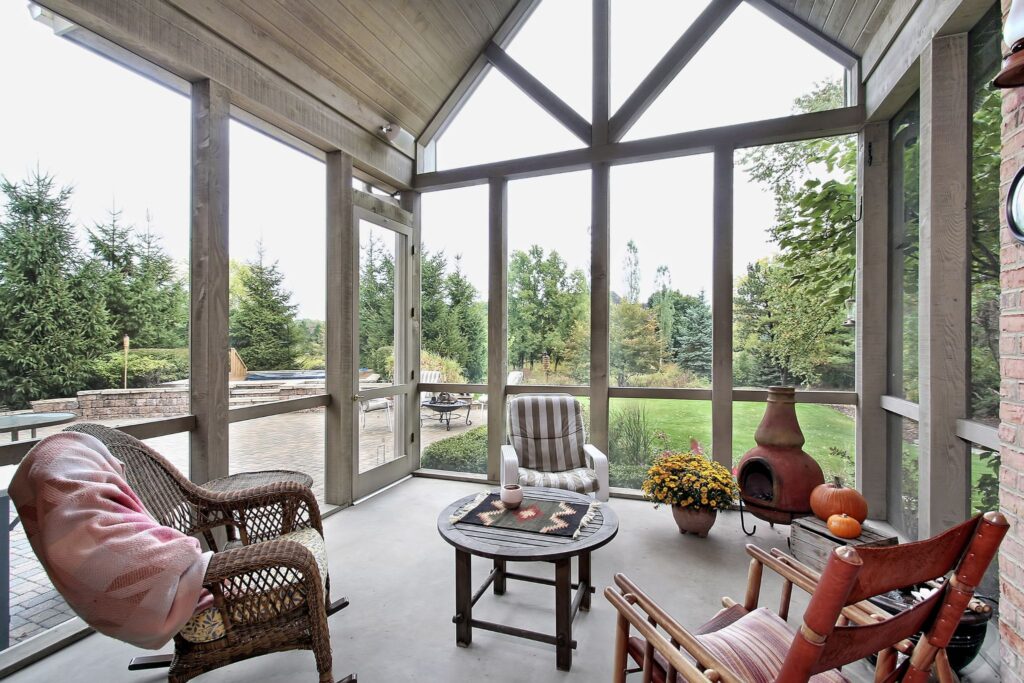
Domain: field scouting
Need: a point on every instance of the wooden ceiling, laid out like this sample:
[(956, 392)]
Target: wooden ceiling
[(851, 23), (398, 61)]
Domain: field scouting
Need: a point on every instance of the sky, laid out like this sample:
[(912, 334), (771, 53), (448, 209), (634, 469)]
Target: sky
[(122, 141)]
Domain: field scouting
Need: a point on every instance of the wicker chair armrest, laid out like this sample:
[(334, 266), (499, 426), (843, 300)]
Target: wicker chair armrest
[(256, 583), (262, 513)]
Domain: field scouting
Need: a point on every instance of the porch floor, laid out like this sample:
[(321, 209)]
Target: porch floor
[(387, 558)]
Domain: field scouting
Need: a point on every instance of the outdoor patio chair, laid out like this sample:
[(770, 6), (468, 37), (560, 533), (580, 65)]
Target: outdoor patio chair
[(746, 643), (270, 590), (547, 446), (514, 377), (370, 405)]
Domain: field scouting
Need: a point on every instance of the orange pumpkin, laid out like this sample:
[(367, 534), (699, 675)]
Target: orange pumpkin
[(836, 499), (844, 526)]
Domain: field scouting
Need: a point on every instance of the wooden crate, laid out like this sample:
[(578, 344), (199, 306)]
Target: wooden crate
[(811, 542)]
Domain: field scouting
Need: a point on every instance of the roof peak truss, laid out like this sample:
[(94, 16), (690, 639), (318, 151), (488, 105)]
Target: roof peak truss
[(693, 38)]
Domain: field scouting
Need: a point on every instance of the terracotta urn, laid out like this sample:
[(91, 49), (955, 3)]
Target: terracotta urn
[(776, 477), (692, 520)]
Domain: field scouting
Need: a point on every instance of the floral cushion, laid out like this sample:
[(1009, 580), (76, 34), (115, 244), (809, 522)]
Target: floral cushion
[(208, 625)]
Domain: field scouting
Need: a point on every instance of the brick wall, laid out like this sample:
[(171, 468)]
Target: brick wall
[(1011, 413)]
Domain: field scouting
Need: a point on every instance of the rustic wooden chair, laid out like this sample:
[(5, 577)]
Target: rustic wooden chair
[(747, 644), (271, 587)]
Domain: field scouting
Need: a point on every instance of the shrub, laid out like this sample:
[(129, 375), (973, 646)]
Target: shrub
[(631, 440), (451, 371), (670, 375), (146, 368), (626, 476), (466, 452)]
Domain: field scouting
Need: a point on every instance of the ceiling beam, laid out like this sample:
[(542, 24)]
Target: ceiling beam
[(172, 40), (894, 20), (824, 43), (677, 57), (784, 129), (467, 85), (538, 92)]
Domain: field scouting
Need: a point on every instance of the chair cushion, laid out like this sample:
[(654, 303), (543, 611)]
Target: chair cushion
[(547, 432), (208, 625), (580, 480), (755, 646)]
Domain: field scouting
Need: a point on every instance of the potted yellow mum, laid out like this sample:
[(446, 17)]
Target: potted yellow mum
[(694, 485)]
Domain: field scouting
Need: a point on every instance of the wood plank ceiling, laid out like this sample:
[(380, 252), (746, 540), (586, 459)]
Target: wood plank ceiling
[(397, 61)]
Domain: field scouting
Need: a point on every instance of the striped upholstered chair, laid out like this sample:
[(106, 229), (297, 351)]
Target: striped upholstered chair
[(547, 447)]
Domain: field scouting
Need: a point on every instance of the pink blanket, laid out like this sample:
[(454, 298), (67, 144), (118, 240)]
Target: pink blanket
[(122, 572)]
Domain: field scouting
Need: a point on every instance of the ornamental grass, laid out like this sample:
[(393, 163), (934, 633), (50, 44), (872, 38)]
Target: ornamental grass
[(689, 480)]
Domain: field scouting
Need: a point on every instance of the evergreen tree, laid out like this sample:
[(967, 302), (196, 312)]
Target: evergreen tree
[(662, 303), (464, 316), (631, 271), (161, 295), (376, 304), (692, 335), (262, 329), (114, 250), (635, 348), (54, 323)]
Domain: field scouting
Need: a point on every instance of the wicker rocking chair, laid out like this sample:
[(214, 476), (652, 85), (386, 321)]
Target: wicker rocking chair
[(270, 586)]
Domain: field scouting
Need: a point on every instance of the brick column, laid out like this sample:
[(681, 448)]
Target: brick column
[(1011, 412)]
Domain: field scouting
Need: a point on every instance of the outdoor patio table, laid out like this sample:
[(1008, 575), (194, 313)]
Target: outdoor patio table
[(508, 545), (444, 411), (32, 421)]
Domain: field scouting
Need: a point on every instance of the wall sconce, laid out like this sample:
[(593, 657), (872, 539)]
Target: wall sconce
[(391, 131), (1012, 74)]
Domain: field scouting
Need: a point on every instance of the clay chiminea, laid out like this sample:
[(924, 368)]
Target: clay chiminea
[(776, 477)]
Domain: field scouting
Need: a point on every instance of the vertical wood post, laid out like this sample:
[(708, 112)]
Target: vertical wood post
[(600, 315), (872, 325), (411, 203), (721, 308), (944, 467), (497, 324), (341, 435), (600, 233), (208, 282)]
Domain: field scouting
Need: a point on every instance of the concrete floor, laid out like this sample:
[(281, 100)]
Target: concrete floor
[(387, 558)]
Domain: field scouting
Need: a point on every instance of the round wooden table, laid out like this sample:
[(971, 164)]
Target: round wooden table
[(510, 545), (32, 421)]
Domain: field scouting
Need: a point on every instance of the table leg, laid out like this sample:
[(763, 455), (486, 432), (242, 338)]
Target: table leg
[(585, 584), (14, 435), (5, 563), (463, 599), (563, 613), (499, 577), (33, 432)]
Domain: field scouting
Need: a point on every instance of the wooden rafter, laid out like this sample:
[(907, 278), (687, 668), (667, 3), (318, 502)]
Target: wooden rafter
[(677, 57), (538, 92)]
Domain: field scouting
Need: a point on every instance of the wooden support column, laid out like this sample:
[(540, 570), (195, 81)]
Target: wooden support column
[(721, 310), (411, 203), (600, 227), (872, 306), (341, 435), (208, 283), (943, 465), (497, 324)]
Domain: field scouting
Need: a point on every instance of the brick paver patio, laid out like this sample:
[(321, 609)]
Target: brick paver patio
[(292, 441)]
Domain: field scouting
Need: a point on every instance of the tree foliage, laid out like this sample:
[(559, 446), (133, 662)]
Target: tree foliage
[(53, 322), (263, 326)]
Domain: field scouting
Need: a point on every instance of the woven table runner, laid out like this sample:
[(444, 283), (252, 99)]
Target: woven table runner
[(549, 517)]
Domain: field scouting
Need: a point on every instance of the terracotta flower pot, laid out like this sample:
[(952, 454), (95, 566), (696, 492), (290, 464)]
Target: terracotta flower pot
[(694, 520)]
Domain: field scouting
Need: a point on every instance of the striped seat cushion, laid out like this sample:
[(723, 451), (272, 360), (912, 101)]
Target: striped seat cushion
[(547, 432), (580, 480), (755, 646)]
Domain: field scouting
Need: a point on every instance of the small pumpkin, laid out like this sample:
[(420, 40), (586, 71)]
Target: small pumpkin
[(844, 526), (836, 499)]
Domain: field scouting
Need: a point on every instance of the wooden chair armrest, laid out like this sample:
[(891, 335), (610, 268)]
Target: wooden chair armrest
[(632, 595)]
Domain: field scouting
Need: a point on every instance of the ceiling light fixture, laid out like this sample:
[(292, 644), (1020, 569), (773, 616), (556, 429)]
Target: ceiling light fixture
[(391, 131)]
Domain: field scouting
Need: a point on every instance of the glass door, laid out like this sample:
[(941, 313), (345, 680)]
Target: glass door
[(382, 361)]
